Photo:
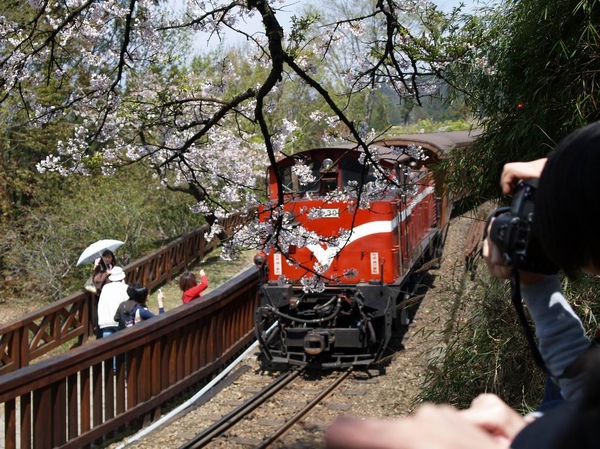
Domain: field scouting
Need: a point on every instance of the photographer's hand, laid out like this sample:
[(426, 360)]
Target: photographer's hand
[(492, 414), (431, 426), (493, 257), (514, 171)]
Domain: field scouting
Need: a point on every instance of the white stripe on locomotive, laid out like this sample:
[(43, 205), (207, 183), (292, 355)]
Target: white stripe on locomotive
[(326, 255)]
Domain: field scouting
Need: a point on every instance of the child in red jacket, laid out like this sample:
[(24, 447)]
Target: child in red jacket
[(190, 287)]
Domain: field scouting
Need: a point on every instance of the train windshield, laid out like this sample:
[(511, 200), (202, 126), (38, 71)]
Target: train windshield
[(352, 170), (309, 181)]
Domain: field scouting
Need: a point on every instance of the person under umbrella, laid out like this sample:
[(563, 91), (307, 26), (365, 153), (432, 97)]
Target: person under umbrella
[(102, 255), (101, 271)]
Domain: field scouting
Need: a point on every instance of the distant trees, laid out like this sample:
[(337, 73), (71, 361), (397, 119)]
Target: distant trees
[(40, 246)]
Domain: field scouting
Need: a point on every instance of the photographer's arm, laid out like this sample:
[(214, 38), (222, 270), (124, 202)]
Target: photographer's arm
[(561, 336)]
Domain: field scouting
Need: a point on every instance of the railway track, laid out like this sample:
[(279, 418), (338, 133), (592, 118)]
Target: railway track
[(274, 409)]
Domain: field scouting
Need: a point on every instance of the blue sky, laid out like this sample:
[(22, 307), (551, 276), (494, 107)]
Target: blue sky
[(449, 4)]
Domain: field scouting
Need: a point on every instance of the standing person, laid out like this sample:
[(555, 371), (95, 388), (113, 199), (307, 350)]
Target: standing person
[(565, 224), (190, 287), (99, 277), (113, 294), (124, 315), (102, 268), (140, 311)]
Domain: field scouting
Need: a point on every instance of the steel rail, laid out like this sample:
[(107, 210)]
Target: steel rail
[(307, 408), (233, 417)]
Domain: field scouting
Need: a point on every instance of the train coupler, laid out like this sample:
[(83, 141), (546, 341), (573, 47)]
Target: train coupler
[(317, 342)]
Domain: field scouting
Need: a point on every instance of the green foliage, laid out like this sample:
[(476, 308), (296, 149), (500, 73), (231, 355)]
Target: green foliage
[(22, 146), (41, 248), (485, 351), (485, 347), (429, 126), (536, 81)]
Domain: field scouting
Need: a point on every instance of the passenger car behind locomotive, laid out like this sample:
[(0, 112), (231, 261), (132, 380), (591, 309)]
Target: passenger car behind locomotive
[(344, 268)]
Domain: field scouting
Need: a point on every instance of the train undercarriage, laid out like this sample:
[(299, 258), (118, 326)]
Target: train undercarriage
[(334, 329), (339, 328)]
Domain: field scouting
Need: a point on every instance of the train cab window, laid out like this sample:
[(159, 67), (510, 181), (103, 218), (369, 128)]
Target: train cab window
[(291, 183), (352, 170), (288, 182), (329, 181)]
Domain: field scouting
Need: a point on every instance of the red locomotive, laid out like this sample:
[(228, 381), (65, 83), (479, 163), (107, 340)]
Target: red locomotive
[(351, 234)]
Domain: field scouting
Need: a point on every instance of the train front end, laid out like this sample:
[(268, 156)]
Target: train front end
[(334, 275)]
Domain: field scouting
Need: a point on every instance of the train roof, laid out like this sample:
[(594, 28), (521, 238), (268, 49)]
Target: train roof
[(439, 143)]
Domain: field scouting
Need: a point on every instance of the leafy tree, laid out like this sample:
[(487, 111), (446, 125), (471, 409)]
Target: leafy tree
[(42, 246)]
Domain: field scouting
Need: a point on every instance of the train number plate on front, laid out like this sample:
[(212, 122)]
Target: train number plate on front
[(277, 269), (330, 213)]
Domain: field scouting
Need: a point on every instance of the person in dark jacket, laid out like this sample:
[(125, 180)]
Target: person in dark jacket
[(140, 311), (102, 268), (124, 316)]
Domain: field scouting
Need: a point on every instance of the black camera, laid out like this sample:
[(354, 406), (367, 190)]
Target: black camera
[(512, 231)]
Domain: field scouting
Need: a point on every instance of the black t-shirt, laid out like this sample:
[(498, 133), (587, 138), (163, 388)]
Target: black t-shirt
[(570, 425)]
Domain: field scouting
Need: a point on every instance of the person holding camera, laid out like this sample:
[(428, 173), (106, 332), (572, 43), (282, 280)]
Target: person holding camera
[(190, 287), (140, 311), (565, 227), (564, 224)]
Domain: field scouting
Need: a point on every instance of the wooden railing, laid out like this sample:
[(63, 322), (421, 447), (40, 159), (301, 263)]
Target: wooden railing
[(87, 394), (69, 321)]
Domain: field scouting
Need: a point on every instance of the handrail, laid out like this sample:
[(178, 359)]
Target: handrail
[(86, 394), (70, 320)]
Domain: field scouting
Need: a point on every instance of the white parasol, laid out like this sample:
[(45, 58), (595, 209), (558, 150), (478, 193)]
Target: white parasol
[(94, 251)]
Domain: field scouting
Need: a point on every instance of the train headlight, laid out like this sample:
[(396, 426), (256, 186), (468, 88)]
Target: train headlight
[(327, 164), (260, 259), (289, 218)]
